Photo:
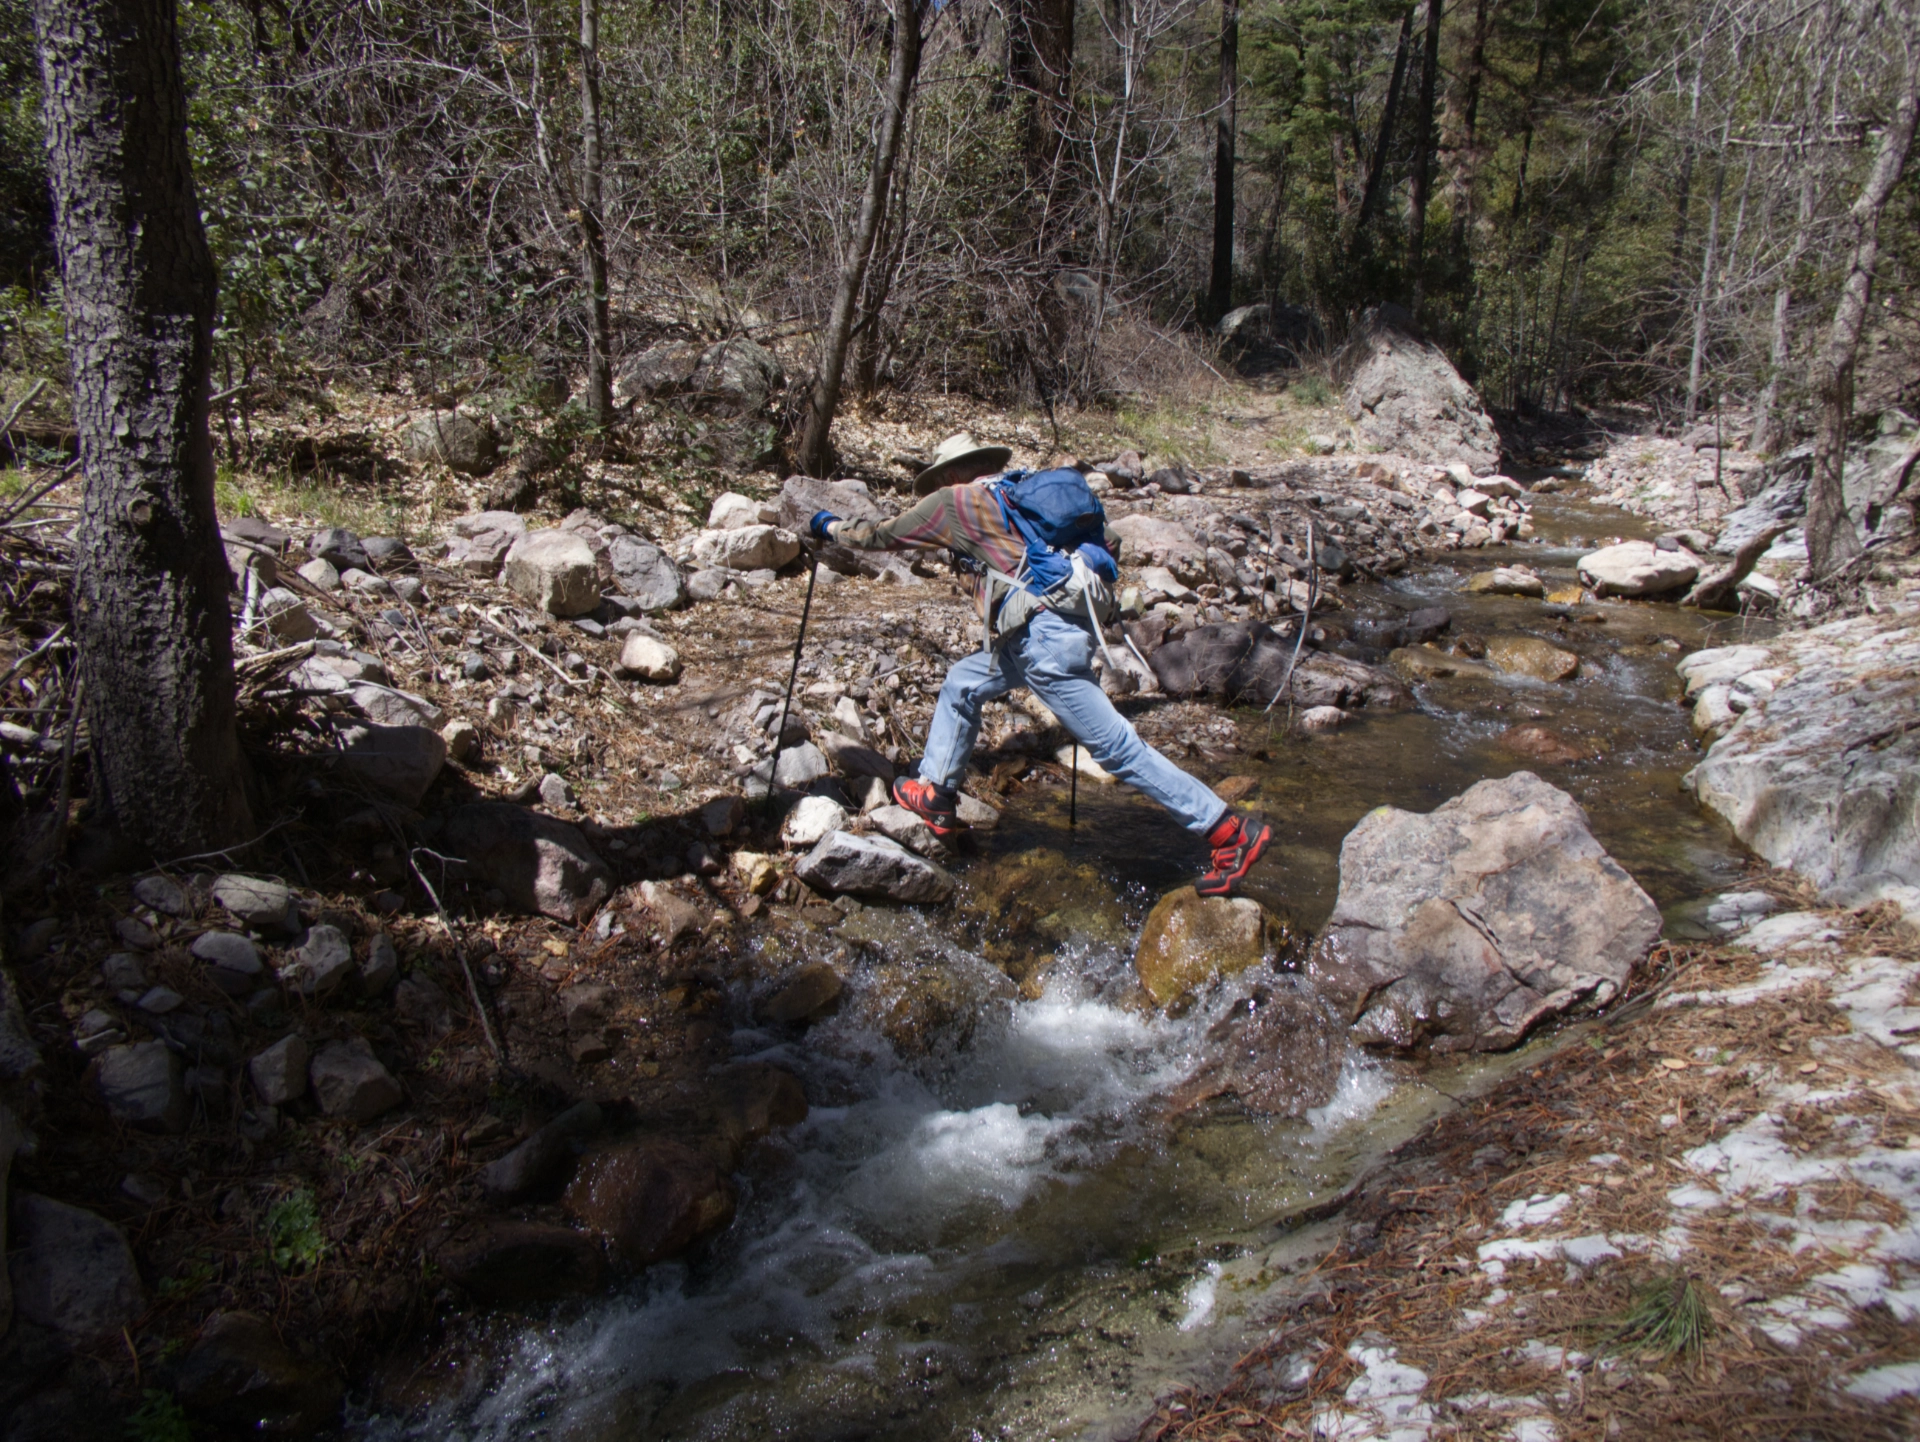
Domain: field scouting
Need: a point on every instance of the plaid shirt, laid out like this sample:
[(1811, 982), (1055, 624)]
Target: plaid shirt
[(965, 519)]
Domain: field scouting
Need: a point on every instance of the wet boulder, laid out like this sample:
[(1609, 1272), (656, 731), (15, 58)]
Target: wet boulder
[(1278, 1050), (810, 993), (1637, 568), (1190, 939), (1507, 581), (71, 1270), (1531, 656), (539, 862), (1466, 927), (241, 1376), (650, 1199), (1542, 743), (872, 867), (1404, 396), (516, 1264)]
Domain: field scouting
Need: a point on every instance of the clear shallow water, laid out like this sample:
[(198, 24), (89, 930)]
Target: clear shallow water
[(1007, 1235)]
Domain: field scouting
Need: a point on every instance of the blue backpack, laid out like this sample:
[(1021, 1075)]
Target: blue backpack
[(1056, 514)]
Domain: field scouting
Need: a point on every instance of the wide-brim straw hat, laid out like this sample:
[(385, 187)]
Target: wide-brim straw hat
[(959, 459)]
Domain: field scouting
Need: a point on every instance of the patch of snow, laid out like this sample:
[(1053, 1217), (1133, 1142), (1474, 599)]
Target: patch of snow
[(1382, 1404), (1789, 931), (1536, 1210), (1883, 1384)]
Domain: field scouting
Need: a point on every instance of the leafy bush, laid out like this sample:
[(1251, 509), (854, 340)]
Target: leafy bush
[(294, 1238), (159, 1419)]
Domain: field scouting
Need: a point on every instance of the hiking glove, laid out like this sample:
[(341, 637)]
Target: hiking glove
[(821, 525)]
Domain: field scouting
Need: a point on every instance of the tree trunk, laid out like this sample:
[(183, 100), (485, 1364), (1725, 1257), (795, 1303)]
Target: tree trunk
[(1220, 290), (150, 578), (1041, 55), (1466, 167), (1423, 162), (593, 234), (816, 453), (1377, 166), (1697, 357), (1768, 431), (1832, 540)]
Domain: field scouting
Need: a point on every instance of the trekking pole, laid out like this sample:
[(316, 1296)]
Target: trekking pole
[(799, 640), (1073, 789)]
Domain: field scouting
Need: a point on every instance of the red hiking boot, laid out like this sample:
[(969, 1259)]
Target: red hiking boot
[(935, 805), (1237, 843)]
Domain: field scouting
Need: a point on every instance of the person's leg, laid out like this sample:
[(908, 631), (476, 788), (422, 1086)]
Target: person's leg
[(1058, 666), (973, 681)]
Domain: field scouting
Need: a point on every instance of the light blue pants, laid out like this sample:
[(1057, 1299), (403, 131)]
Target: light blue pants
[(1054, 658)]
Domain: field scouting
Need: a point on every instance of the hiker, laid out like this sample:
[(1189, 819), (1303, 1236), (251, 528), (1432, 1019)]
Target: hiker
[(1043, 567)]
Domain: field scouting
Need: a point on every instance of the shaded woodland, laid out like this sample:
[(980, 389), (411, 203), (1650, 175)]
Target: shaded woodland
[(1585, 203)]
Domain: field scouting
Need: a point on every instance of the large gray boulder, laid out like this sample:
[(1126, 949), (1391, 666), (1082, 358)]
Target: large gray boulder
[(1820, 771), (1637, 568), (538, 861), (459, 442), (1151, 541), (645, 572), (872, 866), (1403, 395), (747, 548), (71, 1270), (802, 496), (1467, 926), (736, 377)]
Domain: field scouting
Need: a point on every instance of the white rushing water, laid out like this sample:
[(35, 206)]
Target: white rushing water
[(895, 1238)]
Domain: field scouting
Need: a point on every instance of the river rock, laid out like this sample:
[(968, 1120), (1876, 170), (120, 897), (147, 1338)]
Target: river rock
[(1722, 665), (753, 1099), (906, 828), (813, 818), (543, 1159), (646, 573), (390, 706), (71, 1270), (976, 813), (872, 866), (348, 1081), (798, 766), (1277, 1049), (1821, 773), (554, 570), (1404, 396), (1190, 939), (750, 548), (1467, 926), (539, 862), (459, 442), (256, 901), (1322, 718), (1637, 568), (279, 1073), (1531, 656), (1541, 743), (382, 965), (802, 496), (1152, 541), (516, 1264), (645, 659), (650, 1199), (242, 1378), (400, 762), (1507, 581), (142, 1084), (812, 992)]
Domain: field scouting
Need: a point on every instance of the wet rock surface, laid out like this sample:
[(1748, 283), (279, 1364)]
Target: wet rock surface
[(1189, 940), (1278, 1051), (649, 1199), (240, 1375), (1465, 928), (873, 866)]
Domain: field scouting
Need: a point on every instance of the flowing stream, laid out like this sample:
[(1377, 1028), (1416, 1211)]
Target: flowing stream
[(999, 1230)]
